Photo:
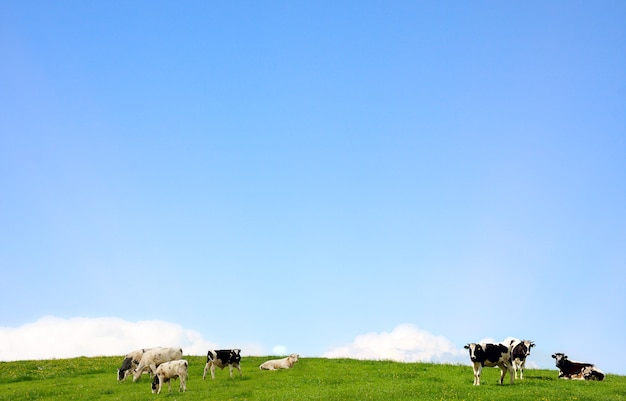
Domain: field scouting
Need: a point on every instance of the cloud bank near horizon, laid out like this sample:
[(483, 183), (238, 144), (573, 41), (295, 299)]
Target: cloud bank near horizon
[(54, 338), (405, 343), (51, 337)]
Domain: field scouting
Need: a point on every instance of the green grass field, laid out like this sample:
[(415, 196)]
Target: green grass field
[(311, 379)]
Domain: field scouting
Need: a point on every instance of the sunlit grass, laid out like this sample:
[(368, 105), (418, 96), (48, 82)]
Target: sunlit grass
[(310, 379)]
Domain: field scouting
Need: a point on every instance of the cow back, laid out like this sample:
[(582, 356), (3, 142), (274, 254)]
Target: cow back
[(224, 356)]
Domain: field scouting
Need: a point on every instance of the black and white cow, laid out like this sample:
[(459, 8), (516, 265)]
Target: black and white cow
[(576, 370), (490, 355), (222, 358), (519, 351), (130, 363)]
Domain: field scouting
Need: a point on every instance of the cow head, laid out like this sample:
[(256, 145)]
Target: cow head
[(128, 366), (559, 358), (526, 346), (476, 352), (235, 356), (155, 384)]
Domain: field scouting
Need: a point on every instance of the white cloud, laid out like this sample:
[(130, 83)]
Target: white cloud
[(52, 337), (279, 350), (405, 343)]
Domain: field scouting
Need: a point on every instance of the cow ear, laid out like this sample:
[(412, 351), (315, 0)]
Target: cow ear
[(467, 346)]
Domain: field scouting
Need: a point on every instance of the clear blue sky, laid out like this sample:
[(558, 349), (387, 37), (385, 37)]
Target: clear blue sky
[(303, 173)]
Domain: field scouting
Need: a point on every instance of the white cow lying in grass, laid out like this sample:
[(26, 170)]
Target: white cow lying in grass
[(166, 372), (285, 363)]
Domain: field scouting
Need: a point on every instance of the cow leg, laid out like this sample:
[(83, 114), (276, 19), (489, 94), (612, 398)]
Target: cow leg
[(521, 369), (503, 368), (230, 370), (213, 371), (516, 366), (238, 366), (206, 369), (477, 369), (137, 374), (152, 370), (511, 372)]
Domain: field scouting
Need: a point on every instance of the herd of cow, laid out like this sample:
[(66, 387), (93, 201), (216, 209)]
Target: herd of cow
[(510, 355), (166, 364)]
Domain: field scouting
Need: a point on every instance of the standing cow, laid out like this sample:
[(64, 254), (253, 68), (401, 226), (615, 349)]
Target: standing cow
[(491, 355), (284, 363), (520, 350), (168, 371), (222, 358), (576, 370), (156, 356)]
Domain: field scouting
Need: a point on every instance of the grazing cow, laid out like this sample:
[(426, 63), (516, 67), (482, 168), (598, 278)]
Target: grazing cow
[(156, 356), (285, 363), (491, 355), (519, 351), (168, 371), (222, 358), (130, 362), (576, 370)]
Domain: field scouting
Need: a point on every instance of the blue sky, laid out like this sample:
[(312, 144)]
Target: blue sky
[(296, 177)]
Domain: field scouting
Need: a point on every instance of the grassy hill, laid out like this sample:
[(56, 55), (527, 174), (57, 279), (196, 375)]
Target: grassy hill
[(311, 379)]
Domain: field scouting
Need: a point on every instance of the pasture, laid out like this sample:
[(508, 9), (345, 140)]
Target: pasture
[(311, 379)]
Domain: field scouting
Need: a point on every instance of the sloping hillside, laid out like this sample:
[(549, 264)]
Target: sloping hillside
[(310, 379)]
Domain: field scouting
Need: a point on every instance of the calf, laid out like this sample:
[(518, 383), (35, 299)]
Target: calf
[(592, 373), (222, 358), (153, 358), (285, 363), (130, 362), (491, 355), (168, 371), (519, 351), (576, 370)]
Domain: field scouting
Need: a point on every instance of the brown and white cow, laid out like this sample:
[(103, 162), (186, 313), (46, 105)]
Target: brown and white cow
[(284, 363), (490, 355), (222, 358), (151, 359), (576, 370), (168, 371)]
